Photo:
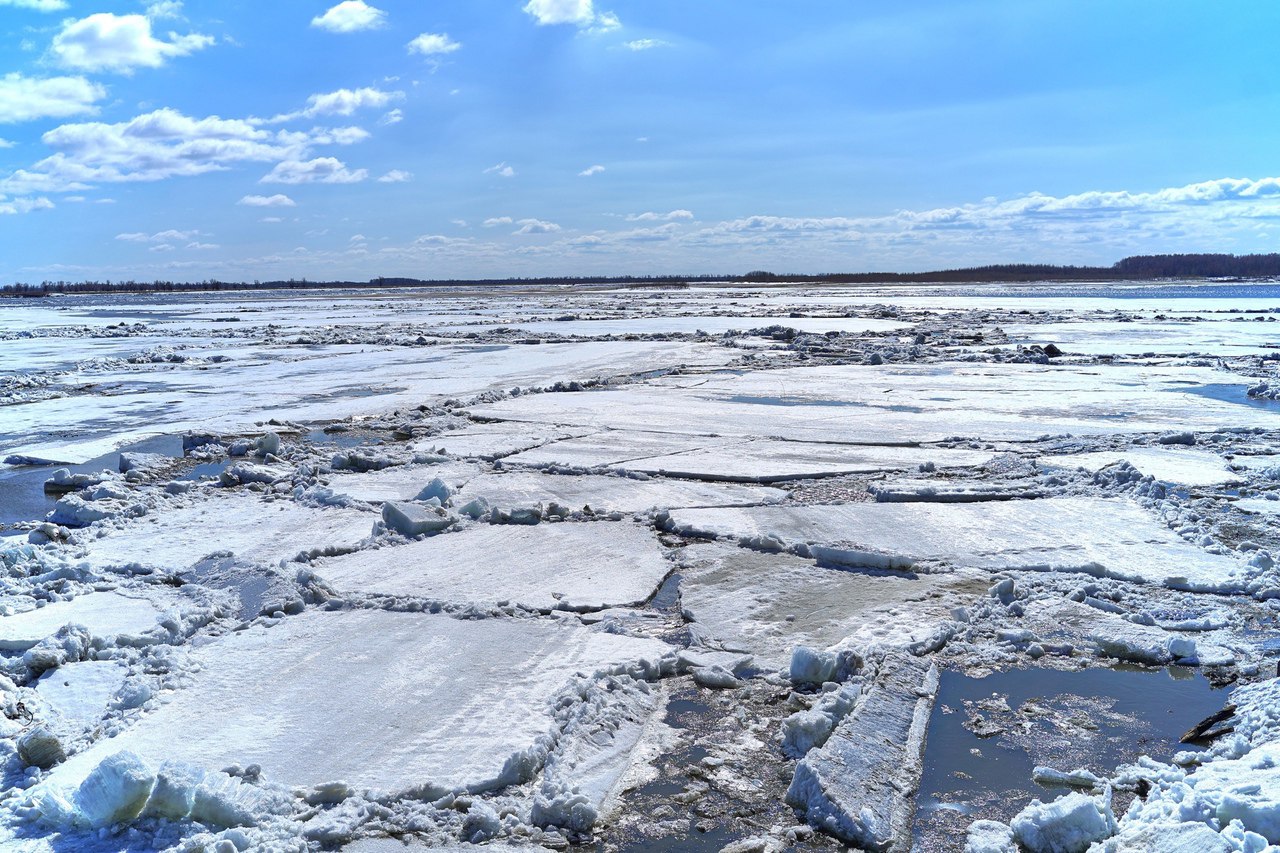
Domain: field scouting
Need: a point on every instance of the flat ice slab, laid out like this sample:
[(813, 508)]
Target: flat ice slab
[(929, 402), (388, 701), (105, 614), (1185, 467), (79, 691), (603, 493), (1096, 536), (242, 523), (756, 460), (768, 604), (569, 565), (402, 482)]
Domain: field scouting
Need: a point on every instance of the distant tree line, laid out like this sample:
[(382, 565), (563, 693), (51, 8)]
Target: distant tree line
[(1139, 267)]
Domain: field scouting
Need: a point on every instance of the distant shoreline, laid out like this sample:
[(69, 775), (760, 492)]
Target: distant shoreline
[(1140, 269)]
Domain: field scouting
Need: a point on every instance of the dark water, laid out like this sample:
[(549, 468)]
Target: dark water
[(1230, 394), (1094, 718), (22, 495)]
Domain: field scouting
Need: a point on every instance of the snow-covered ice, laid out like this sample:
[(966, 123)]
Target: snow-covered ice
[(570, 565)]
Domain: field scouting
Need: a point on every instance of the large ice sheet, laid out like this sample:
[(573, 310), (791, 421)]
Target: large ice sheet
[(604, 493), (395, 702), (78, 692), (1185, 467), (238, 522), (105, 614), (314, 384), (570, 565), (761, 460), (402, 482), (495, 440), (1097, 536), (768, 604), (1222, 336), (868, 404)]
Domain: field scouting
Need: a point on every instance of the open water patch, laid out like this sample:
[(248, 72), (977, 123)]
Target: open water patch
[(22, 494), (987, 735), (1228, 393)]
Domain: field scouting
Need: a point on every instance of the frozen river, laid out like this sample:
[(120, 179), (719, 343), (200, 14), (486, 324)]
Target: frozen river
[(903, 568)]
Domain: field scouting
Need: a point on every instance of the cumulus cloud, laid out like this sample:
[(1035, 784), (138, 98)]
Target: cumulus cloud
[(29, 98), (591, 170), (343, 102), (578, 12), (119, 43), (501, 170), (159, 145), (396, 176), (277, 200), (497, 220), (9, 207), (660, 217), (350, 16), (320, 170), (38, 5), (165, 9), (535, 226), (433, 44)]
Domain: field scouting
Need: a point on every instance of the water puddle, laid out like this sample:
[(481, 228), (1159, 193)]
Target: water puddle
[(1230, 394), (986, 736), (22, 494)]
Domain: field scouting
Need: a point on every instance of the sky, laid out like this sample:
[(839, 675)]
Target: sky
[(242, 140)]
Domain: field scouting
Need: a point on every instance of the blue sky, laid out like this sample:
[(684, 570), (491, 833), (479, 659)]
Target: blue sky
[(472, 138)]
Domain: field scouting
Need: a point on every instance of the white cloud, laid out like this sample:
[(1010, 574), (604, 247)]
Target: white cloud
[(343, 102), (119, 43), (396, 176), (591, 170), (578, 12), (461, 223), (497, 220), (645, 44), (7, 143), (502, 170), (159, 145), (659, 217), (536, 226), (165, 9), (170, 235), (13, 206), (271, 219), (321, 170), (392, 117), (29, 98), (277, 200), (350, 16), (203, 246), (38, 5), (433, 44), (163, 247)]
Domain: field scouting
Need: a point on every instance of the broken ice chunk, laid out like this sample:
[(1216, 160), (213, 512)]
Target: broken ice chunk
[(415, 519), (1069, 824)]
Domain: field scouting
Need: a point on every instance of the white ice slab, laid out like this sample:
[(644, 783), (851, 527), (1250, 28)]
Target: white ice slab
[(572, 565), (1185, 467), (1258, 506), (495, 440), (402, 482), (239, 522), (768, 604), (602, 493), (79, 691), (900, 403), (105, 614), (1103, 537), (379, 700)]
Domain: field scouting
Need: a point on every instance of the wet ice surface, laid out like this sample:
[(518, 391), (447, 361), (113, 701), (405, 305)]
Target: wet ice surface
[(639, 569)]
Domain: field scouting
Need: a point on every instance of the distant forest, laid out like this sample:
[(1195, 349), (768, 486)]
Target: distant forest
[(1137, 268)]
